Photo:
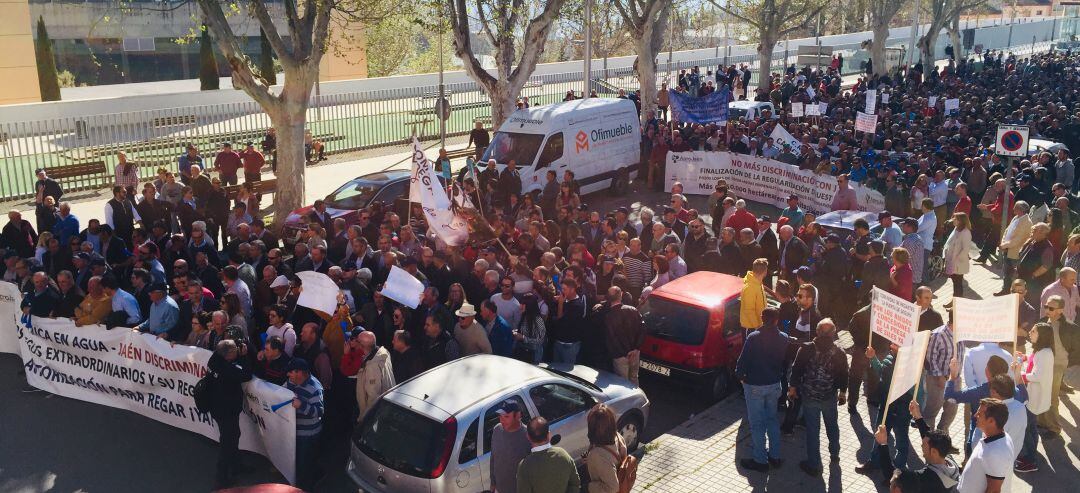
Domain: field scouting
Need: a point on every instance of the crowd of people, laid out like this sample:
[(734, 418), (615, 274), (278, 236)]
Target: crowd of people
[(560, 282)]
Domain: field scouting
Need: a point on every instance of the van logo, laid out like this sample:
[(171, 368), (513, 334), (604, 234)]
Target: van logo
[(581, 141)]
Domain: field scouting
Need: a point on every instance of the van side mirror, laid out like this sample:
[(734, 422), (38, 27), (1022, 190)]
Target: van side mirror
[(556, 439)]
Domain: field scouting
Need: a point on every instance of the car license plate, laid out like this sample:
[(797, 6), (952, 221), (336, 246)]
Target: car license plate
[(655, 368)]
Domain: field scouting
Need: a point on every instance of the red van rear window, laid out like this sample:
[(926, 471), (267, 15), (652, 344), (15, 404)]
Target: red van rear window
[(675, 322)]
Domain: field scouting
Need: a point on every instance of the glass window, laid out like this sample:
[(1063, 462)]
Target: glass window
[(379, 437), (491, 418), (732, 325), (468, 444), (556, 402), (522, 148), (353, 195), (393, 191), (553, 150), (676, 322)]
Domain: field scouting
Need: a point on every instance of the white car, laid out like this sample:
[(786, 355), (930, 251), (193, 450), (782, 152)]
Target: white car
[(432, 433), (749, 109)]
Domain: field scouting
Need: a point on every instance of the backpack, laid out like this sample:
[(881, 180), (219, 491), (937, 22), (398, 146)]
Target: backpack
[(817, 381), (626, 471), (204, 393)]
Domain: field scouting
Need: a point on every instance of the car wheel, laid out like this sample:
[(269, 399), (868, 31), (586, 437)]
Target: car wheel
[(630, 429), (721, 386), (621, 183)]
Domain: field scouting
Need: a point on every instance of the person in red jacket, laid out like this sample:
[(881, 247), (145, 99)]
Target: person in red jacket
[(742, 218), (227, 163)]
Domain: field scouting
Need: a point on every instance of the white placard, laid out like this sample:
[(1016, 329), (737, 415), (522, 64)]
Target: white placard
[(871, 101), (813, 109), (884, 98), (761, 180), (811, 92), (990, 320), (140, 373), (908, 367), (865, 123), (403, 288), (781, 136), (952, 106), (931, 102), (893, 317), (10, 298), (319, 292), (823, 108), (797, 110)]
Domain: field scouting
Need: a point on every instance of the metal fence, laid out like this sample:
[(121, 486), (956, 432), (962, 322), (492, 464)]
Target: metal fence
[(87, 146)]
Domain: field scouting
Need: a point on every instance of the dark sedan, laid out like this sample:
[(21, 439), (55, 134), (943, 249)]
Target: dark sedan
[(384, 186)]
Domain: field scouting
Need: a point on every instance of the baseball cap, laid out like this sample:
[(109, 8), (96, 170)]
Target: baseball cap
[(833, 237), (804, 272), (507, 407), (159, 286), (298, 364), (882, 215), (81, 255), (279, 281)]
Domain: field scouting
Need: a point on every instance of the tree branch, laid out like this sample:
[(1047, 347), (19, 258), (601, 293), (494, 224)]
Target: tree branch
[(242, 73), (284, 53)]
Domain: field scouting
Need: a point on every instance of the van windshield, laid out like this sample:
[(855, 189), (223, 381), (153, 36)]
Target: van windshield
[(380, 438), (675, 322), (521, 148)]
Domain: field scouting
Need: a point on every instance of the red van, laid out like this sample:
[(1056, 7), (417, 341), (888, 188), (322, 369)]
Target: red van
[(693, 332)]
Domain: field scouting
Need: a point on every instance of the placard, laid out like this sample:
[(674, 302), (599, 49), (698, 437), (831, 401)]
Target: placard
[(908, 367), (797, 110), (871, 101), (990, 320), (865, 123), (893, 317), (931, 102), (813, 109), (952, 106)]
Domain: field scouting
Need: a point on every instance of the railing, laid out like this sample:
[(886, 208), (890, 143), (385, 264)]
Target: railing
[(344, 122)]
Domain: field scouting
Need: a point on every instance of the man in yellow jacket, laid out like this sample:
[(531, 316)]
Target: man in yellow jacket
[(753, 295)]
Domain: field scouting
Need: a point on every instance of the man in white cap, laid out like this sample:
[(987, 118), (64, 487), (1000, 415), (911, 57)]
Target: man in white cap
[(469, 334)]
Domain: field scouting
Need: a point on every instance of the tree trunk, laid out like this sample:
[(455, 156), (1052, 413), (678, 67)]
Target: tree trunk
[(503, 101), (954, 38), (877, 47), (646, 72), (927, 45), (765, 51), (289, 118)]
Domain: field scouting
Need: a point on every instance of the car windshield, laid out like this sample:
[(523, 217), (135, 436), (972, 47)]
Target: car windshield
[(734, 113), (353, 195), (675, 322), (521, 148), (380, 437)]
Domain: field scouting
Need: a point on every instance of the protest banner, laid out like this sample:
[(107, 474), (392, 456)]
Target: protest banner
[(823, 108), (761, 180), (318, 292), (871, 101), (797, 110), (952, 106), (443, 221), (403, 288), (893, 317), (10, 298), (884, 98), (931, 102), (865, 123), (137, 372), (989, 320), (908, 367), (813, 110), (781, 136), (707, 109)]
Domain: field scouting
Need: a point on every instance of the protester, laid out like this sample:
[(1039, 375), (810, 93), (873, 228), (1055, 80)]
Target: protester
[(509, 445), (227, 401), (606, 452), (819, 376), (941, 474), (759, 368), (989, 467), (546, 468), (309, 413)]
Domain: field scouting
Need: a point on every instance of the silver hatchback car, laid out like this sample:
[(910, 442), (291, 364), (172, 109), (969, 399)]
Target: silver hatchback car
[(432, 433)]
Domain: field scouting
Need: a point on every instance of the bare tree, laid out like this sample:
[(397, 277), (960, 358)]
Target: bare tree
[(308, 23), (773, 20), (881, 15), (647, 20), (943, 13), (502, 22)]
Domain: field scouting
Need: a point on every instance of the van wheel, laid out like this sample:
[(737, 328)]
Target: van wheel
[(721, 386), (621, 183), (630, 429)]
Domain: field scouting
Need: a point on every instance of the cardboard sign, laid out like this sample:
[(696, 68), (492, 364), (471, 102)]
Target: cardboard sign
[(865, 123), (797, 110), (893, 317), (989, 320)]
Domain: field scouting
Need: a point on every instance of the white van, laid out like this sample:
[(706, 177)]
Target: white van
[(599, 139)]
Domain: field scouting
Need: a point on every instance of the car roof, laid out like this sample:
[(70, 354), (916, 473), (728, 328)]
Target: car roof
[(705, 289), (384, 176), (748, 104), (469, 379)]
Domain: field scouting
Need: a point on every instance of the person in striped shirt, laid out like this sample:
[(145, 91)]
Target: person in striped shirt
[(941, 351), (309, 413)]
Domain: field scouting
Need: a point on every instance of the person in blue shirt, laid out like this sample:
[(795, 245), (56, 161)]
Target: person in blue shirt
[(125, 309), (759, 368), (793, 213), (67, 225), (888, 232), (164, 315), (499, 333), (186, 161)]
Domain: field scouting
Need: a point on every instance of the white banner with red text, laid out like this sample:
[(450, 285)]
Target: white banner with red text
[(762, 180), (137, 372)]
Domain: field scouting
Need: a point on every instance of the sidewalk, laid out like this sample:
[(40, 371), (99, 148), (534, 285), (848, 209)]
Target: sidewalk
[(702, 454)]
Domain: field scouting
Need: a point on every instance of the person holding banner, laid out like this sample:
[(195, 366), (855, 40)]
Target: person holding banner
[(942, 472), (894, 416), (227, 371)]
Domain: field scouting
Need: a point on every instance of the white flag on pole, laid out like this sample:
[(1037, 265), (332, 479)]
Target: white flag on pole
[(781, 136), (442, 221), (403, 288), (908, 366), (989, 320)]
